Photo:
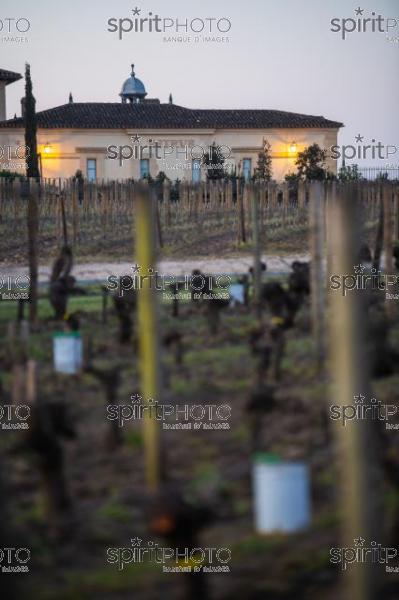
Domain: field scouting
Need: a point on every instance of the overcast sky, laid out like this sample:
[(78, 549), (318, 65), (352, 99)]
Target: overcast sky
[(279, 54)]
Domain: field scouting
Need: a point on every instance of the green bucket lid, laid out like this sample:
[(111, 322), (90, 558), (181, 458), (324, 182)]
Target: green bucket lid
[(267, 457), (75, 334)]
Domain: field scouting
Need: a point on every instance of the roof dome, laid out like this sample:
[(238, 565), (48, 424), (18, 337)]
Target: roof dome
[(133, 89)]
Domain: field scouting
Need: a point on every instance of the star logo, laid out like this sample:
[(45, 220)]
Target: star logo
[(359, 11), (136, 541), (359, 399), (359, 541), (136, 268), (135, 138), (359, 269), (359, 138), (135, 398), (136, 11)]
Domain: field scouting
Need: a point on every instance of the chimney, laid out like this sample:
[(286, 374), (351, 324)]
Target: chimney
[(23, 102), (6, 77)]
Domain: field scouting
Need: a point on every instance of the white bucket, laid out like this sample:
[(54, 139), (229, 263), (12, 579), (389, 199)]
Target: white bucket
[(281, 494), (237, 293), (68, 352)]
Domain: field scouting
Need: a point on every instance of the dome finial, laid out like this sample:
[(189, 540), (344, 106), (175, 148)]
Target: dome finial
[(133, 89)]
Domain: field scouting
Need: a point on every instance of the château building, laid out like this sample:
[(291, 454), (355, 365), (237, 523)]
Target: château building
[(138, 136)]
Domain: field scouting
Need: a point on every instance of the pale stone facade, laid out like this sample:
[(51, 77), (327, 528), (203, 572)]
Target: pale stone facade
[(63, 152)]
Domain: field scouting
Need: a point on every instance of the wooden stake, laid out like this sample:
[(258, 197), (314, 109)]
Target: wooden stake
[(158, 218), (379, 240), (388, 228), (388, 243), (75, 224), (148, 331), (396, 215), (254, 191), (357, 448), (317, 227), (166, 200), (63, 218), (18, 376), (33, 232), (31, 382), (241, 213)]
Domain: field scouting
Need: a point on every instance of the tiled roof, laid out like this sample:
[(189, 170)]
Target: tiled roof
[(9, 76), (93, 115)]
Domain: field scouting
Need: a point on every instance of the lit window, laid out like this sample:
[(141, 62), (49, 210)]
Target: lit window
[(246, 168), (91, 169), (196, 170), (144, 168)]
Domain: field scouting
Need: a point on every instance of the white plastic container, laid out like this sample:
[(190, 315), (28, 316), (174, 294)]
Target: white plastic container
[(68, 352), (237, 293), (281, 494)]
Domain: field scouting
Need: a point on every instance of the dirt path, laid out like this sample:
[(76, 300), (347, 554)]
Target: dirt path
[(100, 271)]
